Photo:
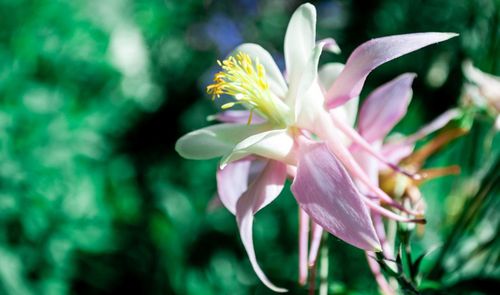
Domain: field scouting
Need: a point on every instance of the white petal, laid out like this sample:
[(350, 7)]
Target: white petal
[(330, 45), (299, 43), (215, 141), (300, 39), (328, 73), (347, 112), (275, 78), (488, 84), (309, 97), (274, 144)]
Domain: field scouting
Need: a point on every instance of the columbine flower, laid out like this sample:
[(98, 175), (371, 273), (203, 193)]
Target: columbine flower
[(296, 134), (380, 112), (482, 91)]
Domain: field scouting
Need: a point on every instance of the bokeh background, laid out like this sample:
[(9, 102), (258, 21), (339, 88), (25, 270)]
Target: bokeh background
[(94, 94)]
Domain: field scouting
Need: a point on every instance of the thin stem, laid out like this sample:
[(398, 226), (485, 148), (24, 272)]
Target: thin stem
[(467, 215), (312, 279)]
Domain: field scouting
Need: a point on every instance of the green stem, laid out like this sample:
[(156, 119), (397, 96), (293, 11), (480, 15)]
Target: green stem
[(467, 216)]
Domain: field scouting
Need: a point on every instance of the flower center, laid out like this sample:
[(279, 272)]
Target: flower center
[(245, 80)]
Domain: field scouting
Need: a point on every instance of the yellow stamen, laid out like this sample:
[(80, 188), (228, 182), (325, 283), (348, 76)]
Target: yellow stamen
[(245, 80), (227, 105), (250, 117)]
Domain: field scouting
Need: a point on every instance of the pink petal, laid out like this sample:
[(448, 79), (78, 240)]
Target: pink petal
[(360, 144), (326, 192), (317, 232), (322, 127), (377, 208), (263, 190), (378, 223), (369, 165), (371, 168), (384, 107), (396, 150), (232, 182), (303, 242), (436, 124), (372, 54)]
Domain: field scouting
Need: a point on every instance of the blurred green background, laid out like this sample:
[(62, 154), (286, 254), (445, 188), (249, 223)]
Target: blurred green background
[(94, 94)]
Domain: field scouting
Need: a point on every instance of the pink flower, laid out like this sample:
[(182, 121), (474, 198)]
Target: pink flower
[(380, 112), (298, 134)]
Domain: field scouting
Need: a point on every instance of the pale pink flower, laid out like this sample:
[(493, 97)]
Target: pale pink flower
[(380, 112), (482, 91), (299, 135)]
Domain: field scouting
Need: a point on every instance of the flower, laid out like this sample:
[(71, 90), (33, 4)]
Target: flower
[(297, 134), (482, 91), (380, 112), (383, 108)]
